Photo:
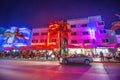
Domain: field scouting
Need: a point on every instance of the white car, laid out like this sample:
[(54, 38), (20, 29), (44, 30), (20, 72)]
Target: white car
[(78, 58)]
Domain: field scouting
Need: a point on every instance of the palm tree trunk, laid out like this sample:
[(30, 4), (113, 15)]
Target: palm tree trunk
[(60, 43)]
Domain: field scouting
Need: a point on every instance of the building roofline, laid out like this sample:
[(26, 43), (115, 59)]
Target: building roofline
[(77, 19)]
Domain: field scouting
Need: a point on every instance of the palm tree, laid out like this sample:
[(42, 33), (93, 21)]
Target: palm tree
[(59, 28), (116, 24)]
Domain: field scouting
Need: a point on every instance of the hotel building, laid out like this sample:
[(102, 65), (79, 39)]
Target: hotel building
[(87, 33)]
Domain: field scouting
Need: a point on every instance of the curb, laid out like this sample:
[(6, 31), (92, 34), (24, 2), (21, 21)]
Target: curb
[(57, 60), (106, 62)]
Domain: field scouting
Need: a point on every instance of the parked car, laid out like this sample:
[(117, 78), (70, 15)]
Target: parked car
[(78, 58)]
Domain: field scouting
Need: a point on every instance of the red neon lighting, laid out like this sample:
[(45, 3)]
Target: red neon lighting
[(48, 39), (58, 35), (51, 26), (37, 43), (56, 25), (52, 43)]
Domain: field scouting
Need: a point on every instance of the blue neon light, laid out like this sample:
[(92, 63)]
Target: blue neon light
[(14, 36)]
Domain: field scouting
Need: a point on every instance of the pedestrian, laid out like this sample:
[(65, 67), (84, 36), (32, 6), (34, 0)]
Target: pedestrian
[(58, 56), (53, 56), (114, 56), (101, 56)]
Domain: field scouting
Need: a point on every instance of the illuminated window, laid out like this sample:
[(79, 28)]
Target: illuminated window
[(85, 33), (101, 23), (53, 40), (35, 34), (83, 25), (105, 40), (73, 41), (43, 40), (86, 41), (73, 26), (102, 31), (74, 33), (34, 41), (43, 33)]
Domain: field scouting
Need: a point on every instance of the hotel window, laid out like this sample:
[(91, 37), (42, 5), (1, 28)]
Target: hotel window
[(101, 23), (105, 40), (35, 34), (34, 41), (43, 33), (86, 41), (73, 26), (86, 33), (53, 40), (73, 41), (43, 40), (83, 25), (102, 31), (74, 33)]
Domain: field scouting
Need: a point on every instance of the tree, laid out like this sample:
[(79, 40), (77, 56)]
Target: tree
[(116, 24), (59, 28)]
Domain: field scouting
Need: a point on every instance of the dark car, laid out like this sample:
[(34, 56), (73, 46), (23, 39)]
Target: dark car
[(78, 58)]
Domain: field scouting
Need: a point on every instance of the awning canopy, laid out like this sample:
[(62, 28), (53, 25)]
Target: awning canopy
[(117, 45), (91, 46), (27, 48), (44, 47), (106, 45), (72, 46), (8, 48)]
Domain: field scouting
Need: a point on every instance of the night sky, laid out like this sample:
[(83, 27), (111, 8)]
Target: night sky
[(39, 13)]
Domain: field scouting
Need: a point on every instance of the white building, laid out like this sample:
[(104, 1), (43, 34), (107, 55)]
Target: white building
[(90, 33), (39, 36), (118, 39), (87, 31)]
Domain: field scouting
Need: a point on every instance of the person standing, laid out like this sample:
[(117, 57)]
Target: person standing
[(101, 56), (53, 56)]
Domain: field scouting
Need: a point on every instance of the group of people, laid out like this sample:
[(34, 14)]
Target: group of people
[(103, 56), (115, 56), (54, 56), (30, 55)]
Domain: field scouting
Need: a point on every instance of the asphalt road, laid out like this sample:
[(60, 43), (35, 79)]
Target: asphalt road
[(35, 70)]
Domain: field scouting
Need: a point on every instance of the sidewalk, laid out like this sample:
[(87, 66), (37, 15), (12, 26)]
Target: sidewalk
[(29, 59), (98, 60), (95, 60)]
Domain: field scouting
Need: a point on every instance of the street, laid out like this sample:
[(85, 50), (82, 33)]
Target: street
[(52, 70)]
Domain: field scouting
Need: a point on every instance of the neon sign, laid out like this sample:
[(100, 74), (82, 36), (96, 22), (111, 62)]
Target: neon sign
[(16, 37)]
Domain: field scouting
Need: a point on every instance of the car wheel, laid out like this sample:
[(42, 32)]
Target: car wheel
[(87, 62), (65, 62)]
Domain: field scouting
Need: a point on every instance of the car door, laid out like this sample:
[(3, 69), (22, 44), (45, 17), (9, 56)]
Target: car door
[(76, 59), (80, 59), (73, 59)]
